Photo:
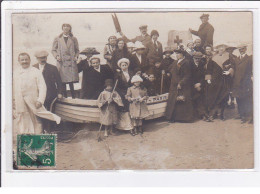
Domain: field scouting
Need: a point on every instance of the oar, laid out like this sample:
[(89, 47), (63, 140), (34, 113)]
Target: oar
[(162, 83), (99, 131)]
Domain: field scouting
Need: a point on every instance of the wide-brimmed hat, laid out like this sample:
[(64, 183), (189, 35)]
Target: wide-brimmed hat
[(221, 45), (180, 51), (108, 82), (40, 54), (130, 45), (197, 55), (143, 26), (240, 46), (123, 60), (90, 50), (204, 15), (154, 32), (136, 78), (139, 45), (168, 50)]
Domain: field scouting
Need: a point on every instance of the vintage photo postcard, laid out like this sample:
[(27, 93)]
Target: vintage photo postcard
[(133, 90)]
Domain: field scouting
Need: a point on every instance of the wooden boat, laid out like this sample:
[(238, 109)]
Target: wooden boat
[(86, 111)]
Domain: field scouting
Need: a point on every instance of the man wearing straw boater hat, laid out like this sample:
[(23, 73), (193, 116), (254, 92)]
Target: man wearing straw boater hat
[(205, 32), (243, 85), (144, 38), (139, 59)]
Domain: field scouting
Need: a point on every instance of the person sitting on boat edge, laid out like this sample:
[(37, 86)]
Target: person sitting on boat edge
[(137, 96), (108, 102), (94, 79)]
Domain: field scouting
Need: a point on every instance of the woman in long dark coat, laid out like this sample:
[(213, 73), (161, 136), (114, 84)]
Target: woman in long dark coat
[(121, 52), (222, 58), (179, 105), (213, 84)]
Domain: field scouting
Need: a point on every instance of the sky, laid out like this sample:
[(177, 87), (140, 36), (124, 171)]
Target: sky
[(33, 32)]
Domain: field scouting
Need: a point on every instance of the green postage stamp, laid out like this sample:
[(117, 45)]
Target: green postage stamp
[(36, 150)]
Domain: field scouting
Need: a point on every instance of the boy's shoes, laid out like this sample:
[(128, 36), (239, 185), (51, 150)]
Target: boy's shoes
[(136, 131), (132, 132)]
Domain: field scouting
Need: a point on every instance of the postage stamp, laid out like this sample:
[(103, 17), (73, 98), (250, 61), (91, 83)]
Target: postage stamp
[(36, 150)]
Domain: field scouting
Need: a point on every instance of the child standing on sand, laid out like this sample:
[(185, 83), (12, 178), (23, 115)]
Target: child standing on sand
[(108, 102), (137, 96)]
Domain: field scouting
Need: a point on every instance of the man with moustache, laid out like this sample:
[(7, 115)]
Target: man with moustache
[(53, 83), (144, 38), (29, 96)]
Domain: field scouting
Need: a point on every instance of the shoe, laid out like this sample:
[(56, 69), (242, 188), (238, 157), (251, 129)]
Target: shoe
[(243, 120), (222, 117), (132, 132), (136, 131), (141, 130)]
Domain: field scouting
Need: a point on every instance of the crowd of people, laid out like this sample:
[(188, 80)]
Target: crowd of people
[(200, 80)]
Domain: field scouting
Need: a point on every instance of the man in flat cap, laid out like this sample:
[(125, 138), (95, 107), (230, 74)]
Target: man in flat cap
[(53, 83), (205, 31), (243, 85), (154, 49), (144, 38), (29, 97), (110, 47)]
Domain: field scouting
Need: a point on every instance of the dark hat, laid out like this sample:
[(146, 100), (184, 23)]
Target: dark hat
[(108, 82), (197, 55), (204, 15), (90, 50), (180, 51), (154, 32), (168, 50), (142, 26)]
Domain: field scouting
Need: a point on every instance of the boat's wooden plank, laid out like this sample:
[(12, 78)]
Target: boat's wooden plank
[(79, 101), (65, 118), (156, 111), (156, 106), (77, 112), (78, 108), (154, 116), (79, 117)]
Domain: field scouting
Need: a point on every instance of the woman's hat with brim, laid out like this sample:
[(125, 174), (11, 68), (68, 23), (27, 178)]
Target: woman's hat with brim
[(139, 46), (90, 50), (130, 45), (154, 32), (180, 51), (136, 78), (168, 50), (41, 54), (123, 60), (230, 49), (204, 16), (197, 55), (241, 46), (221, 45)]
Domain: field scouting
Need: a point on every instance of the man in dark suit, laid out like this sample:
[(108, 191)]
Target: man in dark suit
[(51, 76), (205, 31), (139, 59), (243, 85), (53, 83), (154, 49), (198, 84), (94, 77)]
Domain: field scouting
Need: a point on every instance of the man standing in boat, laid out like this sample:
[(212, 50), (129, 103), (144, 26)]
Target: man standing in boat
[(144, 38), (205, 32)]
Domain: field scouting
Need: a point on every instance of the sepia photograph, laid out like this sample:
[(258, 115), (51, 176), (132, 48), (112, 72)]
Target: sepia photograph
[(162, 90)]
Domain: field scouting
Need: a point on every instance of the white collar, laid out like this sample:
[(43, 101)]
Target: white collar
[(98, 69), (66, 36), (181, 59)]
